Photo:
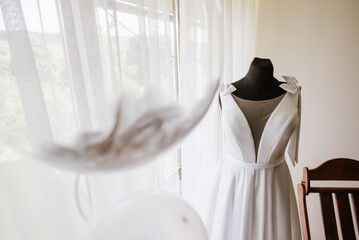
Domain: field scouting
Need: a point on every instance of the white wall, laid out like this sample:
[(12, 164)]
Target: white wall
[(318, 42)]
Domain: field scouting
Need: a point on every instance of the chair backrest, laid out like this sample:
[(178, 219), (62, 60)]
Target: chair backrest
[(339, 169)]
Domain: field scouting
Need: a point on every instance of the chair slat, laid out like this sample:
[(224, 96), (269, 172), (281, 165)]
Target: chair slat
[(333, 190), (330, 226), (345, 216), (356, 207)]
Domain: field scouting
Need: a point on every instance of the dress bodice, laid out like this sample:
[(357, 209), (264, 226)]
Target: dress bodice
[(278, 130)]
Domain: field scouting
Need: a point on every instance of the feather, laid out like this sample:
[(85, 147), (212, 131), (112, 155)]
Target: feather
[(127, 144)]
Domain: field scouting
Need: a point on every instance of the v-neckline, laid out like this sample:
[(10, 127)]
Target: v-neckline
[(256, 154)]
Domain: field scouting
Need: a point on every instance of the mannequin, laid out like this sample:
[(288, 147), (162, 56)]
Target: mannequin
[(259, 83)]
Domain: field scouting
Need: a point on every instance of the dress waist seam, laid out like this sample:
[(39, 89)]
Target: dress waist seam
[(242, 164)]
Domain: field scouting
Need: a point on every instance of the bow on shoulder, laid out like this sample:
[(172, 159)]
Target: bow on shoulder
[(226, 88), (290, 85)]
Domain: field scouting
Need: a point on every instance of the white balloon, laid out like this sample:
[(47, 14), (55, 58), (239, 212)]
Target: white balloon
[(150, 215)]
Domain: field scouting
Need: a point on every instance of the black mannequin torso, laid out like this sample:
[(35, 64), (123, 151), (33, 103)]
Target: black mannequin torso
[(259, 83)]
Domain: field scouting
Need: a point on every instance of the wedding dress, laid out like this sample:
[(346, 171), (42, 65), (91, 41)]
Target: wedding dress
[(253, 197)]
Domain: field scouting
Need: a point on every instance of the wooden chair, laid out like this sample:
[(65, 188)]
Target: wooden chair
[(339, 169)]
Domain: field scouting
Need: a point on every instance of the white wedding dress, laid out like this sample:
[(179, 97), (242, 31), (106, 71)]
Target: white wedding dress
[(253, 197)]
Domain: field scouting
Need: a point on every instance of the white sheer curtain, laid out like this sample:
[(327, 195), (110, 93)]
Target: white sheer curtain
[(222, 41), (63, 63)]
